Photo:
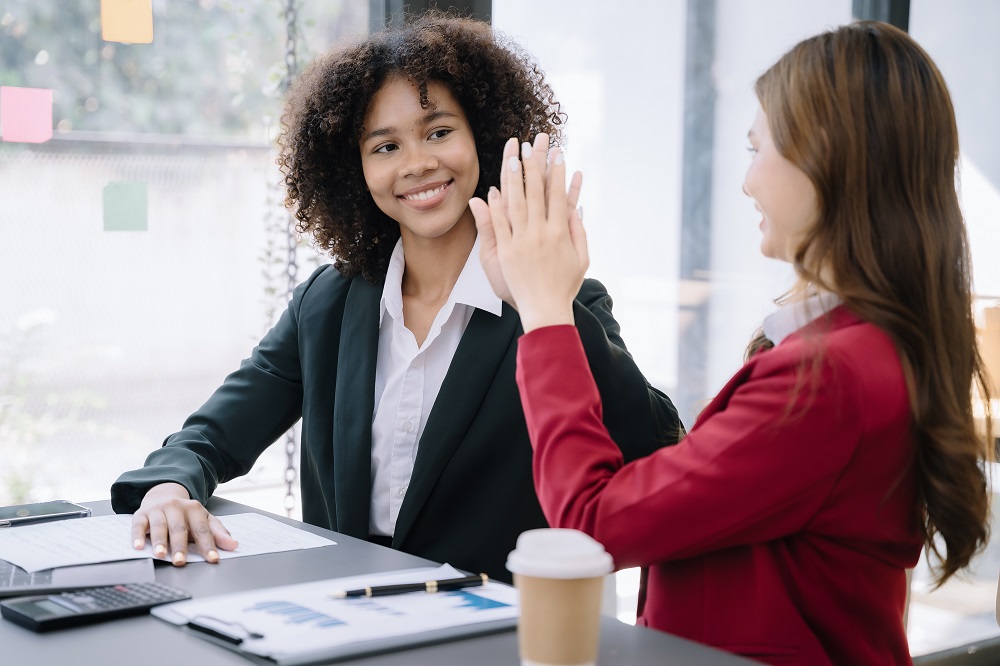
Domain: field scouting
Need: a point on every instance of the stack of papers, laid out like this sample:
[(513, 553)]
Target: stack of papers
[(303, 623), (109, 538)]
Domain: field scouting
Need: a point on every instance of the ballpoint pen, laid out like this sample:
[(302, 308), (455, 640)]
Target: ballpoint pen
[(428, 586)]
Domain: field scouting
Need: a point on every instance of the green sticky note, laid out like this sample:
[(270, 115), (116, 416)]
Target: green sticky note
[(125, 206)]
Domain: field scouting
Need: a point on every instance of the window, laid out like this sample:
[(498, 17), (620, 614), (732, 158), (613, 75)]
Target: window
[(110, 338)]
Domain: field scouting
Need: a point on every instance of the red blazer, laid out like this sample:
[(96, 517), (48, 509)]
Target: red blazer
[(779, 528)]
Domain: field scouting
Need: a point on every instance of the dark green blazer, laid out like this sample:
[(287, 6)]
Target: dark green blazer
[(471, 492)]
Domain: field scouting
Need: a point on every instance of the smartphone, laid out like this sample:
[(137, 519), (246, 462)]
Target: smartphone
[(21, 514)]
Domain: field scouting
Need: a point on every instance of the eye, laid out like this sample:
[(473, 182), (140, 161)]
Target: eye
[(751, 150), (386, 148), (440, 133)]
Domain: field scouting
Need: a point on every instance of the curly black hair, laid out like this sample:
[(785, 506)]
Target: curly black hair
[(499, 86)]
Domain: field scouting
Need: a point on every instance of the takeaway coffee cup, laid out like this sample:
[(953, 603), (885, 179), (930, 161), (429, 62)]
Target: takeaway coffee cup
[(559, 574)]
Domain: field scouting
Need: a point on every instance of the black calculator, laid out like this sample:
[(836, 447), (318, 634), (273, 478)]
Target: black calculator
[(69, 609)]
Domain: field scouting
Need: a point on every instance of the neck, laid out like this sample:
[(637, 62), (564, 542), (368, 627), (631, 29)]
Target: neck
[(806, 289), (434, 264)]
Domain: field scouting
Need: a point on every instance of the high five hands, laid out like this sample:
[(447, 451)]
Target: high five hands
[(532, 243)]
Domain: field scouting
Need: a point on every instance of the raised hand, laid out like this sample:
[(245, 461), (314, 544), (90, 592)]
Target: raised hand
[(539, 240)]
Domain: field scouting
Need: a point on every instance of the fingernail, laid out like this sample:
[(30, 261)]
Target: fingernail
[(543, 137), (559, 157), (178, 557), (494, 192), (138, 544), (579, 212), (160, 550), (213, 556), (525, 150), (513, 163)]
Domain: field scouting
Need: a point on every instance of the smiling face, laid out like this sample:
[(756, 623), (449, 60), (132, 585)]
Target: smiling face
[(420, 164), (782, 193)]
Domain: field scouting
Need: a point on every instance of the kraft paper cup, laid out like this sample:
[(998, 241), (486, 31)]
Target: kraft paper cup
[(559, 574)]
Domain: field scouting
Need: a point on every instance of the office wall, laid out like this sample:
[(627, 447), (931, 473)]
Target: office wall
[(962, 38), (621, 81)]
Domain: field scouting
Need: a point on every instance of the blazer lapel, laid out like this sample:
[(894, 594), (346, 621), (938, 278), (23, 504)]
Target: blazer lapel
[(354, 406), (483, 346)]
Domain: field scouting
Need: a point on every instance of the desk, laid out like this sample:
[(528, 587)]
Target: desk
[(147, 641)]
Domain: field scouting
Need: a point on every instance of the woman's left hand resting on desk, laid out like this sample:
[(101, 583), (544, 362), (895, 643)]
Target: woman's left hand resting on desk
[(172, 518), (539, 241)]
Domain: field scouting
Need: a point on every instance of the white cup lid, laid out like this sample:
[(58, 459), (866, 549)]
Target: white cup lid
[(558, 553)]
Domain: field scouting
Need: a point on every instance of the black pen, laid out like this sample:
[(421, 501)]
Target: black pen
[(429, 586)]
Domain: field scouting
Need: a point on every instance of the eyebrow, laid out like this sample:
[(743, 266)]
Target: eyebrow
[(428, 118)]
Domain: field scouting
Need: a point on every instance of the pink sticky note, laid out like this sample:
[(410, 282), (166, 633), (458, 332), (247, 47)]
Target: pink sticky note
[(26, 114)]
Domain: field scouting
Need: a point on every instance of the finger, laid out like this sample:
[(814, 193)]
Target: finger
[(223, 538), (548, 169), (534, 176), (516, 211), (501, 225), (201, 534), (484, 225), (509, 150), (177, 528), (140, 526), (573, 194), (158, 535), (557, 210), (578, 235)]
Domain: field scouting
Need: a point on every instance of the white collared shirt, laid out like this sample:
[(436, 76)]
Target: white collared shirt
[(790, 317), (408, 378)]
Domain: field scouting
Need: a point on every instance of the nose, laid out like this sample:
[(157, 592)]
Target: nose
[(417, 162), (746, 191)]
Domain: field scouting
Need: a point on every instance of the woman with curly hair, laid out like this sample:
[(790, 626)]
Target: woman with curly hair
[(399, 358), (781, 526)]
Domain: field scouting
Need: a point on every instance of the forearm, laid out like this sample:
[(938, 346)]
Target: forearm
[(165, 465), (561, 421)]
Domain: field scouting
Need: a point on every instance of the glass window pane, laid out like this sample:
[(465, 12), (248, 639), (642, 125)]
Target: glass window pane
[(961, 38), (113, 330)]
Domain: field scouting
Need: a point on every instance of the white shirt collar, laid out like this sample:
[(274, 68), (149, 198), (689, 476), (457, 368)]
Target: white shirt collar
[(793, 316), (472, 287)]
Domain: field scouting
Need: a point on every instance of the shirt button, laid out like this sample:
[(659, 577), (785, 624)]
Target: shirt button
[(402, 491), (408, 427)]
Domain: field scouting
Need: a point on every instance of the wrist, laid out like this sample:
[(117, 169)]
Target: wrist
[(532, 318), (167, 490)]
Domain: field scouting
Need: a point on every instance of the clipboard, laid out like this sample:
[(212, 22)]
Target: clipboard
[(303, 624)]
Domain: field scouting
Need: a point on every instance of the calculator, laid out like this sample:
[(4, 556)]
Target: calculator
[(69, 609)]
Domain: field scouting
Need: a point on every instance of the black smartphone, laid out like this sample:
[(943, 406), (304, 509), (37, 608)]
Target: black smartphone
[(22, 514)]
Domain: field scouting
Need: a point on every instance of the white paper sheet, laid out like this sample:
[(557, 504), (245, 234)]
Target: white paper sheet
[(108, 538), (301, 623)]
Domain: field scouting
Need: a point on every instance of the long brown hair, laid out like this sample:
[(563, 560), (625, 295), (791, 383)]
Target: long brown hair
[(866, 114)]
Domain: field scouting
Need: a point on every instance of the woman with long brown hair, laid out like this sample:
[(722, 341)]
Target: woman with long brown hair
[(781, 526)]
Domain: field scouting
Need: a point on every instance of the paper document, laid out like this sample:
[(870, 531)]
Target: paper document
[(297, 624), (108, 538)]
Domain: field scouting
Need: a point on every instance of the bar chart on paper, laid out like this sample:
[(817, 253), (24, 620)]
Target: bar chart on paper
[(301, 623)]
